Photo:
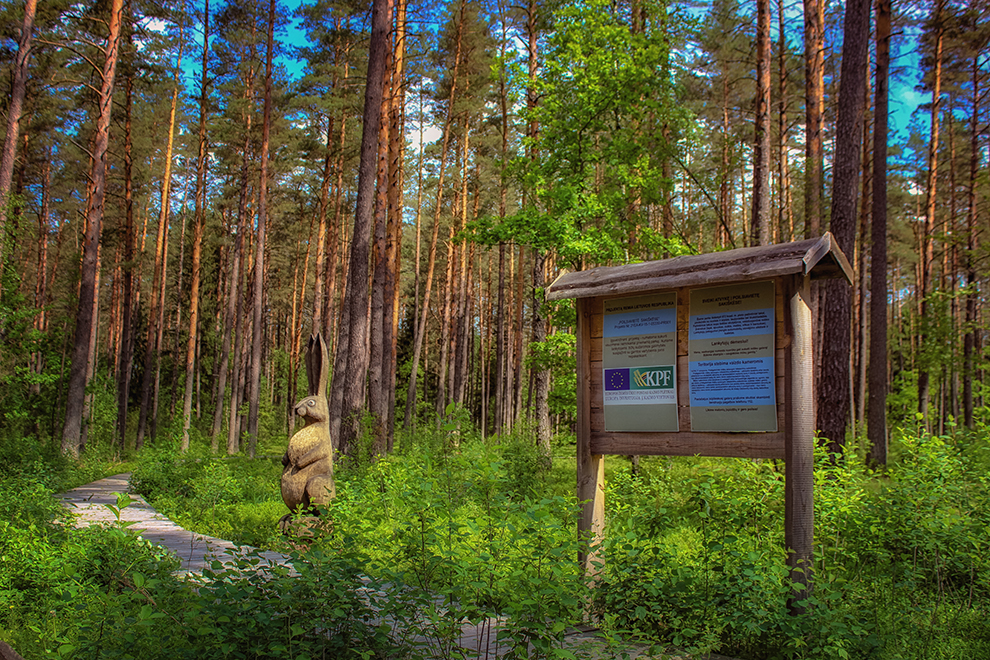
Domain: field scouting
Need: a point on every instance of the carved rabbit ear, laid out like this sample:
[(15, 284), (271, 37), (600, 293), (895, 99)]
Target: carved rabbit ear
[(317, 365)]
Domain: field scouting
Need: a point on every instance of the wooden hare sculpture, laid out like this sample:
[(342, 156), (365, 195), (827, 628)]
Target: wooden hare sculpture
[(307, 479)]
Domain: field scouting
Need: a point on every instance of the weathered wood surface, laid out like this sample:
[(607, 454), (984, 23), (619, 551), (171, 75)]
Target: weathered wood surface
[(818, 257), (799, 482), (195, 551), (791, 266), (726, 445), (590, 464)]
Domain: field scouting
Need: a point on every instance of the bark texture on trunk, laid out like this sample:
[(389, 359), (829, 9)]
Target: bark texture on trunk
[(199, 220), (833, 395), (814, 94), (260, 241), (85, 318), (355, 380), (926, 250), (760, 233)]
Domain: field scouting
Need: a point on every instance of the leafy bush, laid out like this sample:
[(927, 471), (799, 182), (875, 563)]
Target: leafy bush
[(694, 555), (458, 529)]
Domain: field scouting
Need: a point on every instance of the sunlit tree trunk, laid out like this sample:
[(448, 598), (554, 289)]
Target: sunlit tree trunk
[(259, 259), (926, 246), (760, 232), (199, 220), (814, 93)]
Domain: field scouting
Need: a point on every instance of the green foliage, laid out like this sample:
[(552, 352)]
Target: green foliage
[(609, 125), (556, 354), (233, 498), (693, 556), (461, 530)]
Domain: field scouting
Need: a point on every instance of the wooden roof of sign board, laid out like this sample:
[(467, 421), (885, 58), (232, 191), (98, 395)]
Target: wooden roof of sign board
[(817, 257)]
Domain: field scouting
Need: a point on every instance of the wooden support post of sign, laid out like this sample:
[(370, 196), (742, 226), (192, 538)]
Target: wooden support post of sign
[(799, 444), (740, 274), (590, 466)]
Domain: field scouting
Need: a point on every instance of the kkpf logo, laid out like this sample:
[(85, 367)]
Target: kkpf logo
[(652, 378)]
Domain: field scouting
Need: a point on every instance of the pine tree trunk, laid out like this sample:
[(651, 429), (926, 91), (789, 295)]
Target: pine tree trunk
[(785, 222), (199, 221), (393, 252), (321, 236), (926, 251), (85, 320), (336, 234), (760, 232), (354, 381), (87, 414), (149, 378), (814, 93), (126, 321), (501, 333), (859, 363), (259, 260), (432, 258), (229, 327), (972, 242), (833, 394), (295, 332), (541, 382), (17, 92), (517, 368), (41, 284), (236, 376), (377, 397), (877, 423), (448, 294), (724, 187)]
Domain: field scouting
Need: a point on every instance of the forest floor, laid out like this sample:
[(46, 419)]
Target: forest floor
[(98, 503)]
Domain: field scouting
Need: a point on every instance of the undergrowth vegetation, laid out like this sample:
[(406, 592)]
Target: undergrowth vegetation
[(455, 528)]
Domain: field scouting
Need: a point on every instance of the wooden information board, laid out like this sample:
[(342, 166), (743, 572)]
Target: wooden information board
[(743, 368)]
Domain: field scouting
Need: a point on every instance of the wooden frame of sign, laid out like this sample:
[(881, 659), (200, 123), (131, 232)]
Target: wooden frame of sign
[(790, 267)]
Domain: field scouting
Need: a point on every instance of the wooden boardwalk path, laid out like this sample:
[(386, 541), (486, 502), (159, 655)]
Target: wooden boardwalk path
[(195, 551), (198, 551)]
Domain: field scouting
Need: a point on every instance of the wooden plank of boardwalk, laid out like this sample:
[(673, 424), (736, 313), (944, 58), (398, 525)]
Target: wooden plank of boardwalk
[(198, 551), (195, 551)]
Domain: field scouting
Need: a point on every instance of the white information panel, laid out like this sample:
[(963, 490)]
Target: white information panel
[(731, 358)]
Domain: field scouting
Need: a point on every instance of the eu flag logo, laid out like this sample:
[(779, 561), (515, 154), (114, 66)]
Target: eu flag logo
[(616, 379)]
